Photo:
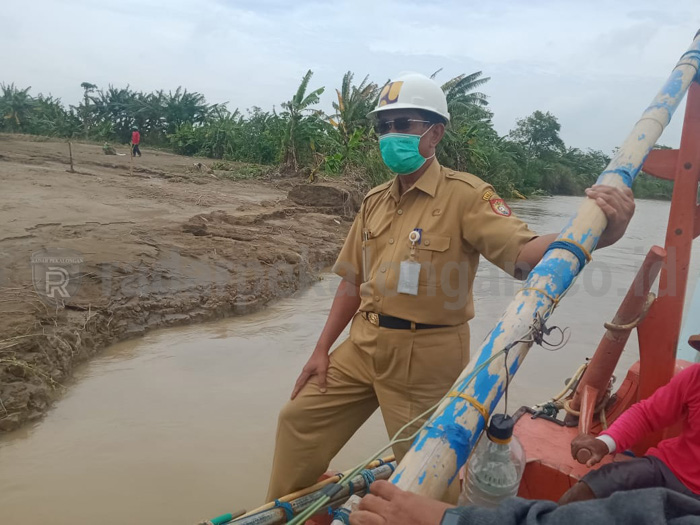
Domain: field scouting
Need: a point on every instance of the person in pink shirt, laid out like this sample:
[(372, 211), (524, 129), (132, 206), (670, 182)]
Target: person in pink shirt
[(135, 141), (674, 463)]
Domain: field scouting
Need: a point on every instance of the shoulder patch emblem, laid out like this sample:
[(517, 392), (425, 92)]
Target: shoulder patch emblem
[(489, 193), (500, 207)]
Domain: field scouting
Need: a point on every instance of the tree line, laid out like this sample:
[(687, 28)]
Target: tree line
[(531, 159)]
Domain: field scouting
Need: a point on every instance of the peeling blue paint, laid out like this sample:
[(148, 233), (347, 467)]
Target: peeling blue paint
[(559, 272), (421, 478), (585, 236), (626, 174), (445, 427), (674, 84), (514, 366), (495, 333), (642, 137)]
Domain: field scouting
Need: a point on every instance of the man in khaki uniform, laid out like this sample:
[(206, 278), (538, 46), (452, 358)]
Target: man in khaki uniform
[(407, 268)]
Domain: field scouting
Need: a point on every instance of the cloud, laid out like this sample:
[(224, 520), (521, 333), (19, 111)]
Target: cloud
[(594, 65)]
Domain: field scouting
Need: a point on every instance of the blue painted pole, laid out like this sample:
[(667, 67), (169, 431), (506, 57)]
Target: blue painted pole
[(446, 442)]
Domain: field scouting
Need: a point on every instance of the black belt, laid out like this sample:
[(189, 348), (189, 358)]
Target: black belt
[(395, 323)]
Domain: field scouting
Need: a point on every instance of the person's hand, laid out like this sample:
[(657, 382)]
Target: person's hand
[(389, 505), (595, 447), (618, 206), (317, 366)]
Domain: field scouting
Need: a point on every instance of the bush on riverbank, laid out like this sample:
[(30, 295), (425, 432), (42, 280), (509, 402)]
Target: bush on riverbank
[(531, 160)]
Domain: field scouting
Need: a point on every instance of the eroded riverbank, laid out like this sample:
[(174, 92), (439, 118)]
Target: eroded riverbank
[(169, 244)]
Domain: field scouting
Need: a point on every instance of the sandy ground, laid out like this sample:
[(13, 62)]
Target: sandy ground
[(170, 244)]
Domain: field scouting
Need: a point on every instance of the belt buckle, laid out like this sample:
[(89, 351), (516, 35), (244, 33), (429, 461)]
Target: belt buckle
[(373, 318)]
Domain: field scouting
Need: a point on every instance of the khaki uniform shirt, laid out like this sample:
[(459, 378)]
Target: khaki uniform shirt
[(459, 215)]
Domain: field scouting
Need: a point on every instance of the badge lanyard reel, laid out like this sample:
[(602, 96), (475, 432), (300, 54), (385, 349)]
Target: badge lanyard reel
[(410, 269)]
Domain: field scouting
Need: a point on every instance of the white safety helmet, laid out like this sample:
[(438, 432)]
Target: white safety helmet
[(413, 91)]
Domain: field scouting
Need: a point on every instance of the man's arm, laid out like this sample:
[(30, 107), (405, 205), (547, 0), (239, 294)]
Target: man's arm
[(347, 300), (641, 507), (345, 304), (663, 408), (389, 505), (531, 253)]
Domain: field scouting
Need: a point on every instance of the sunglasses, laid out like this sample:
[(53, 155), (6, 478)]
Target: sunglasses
[(400, 125)]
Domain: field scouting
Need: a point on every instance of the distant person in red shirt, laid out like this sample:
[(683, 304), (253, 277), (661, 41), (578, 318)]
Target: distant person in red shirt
[(135, 141), (674, 463)]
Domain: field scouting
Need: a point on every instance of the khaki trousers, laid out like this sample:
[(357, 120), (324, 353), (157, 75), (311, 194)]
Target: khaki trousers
[(402, 371)]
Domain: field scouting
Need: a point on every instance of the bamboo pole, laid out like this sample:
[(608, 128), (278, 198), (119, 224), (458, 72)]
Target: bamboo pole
[(277, 515), (318, 486), (444, 444), (131, 160)]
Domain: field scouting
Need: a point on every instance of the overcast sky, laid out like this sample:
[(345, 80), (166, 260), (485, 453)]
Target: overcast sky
[(595, 64)]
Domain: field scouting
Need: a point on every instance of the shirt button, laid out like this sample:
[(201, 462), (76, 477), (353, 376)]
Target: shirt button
[(399, 211), (382, 269), (427, 243), (376, 298), (391, 241)]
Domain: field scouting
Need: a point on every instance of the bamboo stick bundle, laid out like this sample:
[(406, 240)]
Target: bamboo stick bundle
[(446, 441), (277, 515), (318, 486)]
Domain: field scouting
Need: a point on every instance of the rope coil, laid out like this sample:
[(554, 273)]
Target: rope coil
[(287, 508), (571, 246), (342, 514), (368, 476), (635, 322)]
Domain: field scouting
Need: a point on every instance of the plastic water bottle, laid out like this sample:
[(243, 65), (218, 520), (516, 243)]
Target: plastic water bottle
[(496, 466)]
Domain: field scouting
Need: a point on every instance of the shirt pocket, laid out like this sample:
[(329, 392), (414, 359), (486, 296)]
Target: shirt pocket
[(431, 254), (369, 257)]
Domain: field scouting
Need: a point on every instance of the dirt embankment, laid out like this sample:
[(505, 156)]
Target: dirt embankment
[(120, 254)]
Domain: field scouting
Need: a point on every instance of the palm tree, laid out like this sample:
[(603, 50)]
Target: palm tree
[(184, 106), (147, 111), (87, 89), (116, 107), (297, 123), (354, 102), (49, 117), (15, 105), (470, 121), (460, 94)]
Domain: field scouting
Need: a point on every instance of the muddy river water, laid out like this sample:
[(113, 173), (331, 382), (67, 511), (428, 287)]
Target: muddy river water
[(179, 425)]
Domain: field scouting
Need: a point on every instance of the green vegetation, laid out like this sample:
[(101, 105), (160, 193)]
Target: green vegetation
[(531, 160)]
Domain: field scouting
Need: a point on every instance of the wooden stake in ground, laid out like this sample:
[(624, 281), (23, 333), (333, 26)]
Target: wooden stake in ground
[(131, 160), (70, 154)]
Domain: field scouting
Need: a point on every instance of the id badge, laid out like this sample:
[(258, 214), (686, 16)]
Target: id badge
[(409, 273)]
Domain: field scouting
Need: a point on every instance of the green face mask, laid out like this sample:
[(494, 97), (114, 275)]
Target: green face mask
[(400, 152)]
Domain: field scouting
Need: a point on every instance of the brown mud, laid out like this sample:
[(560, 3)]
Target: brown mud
[(168, 242)]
